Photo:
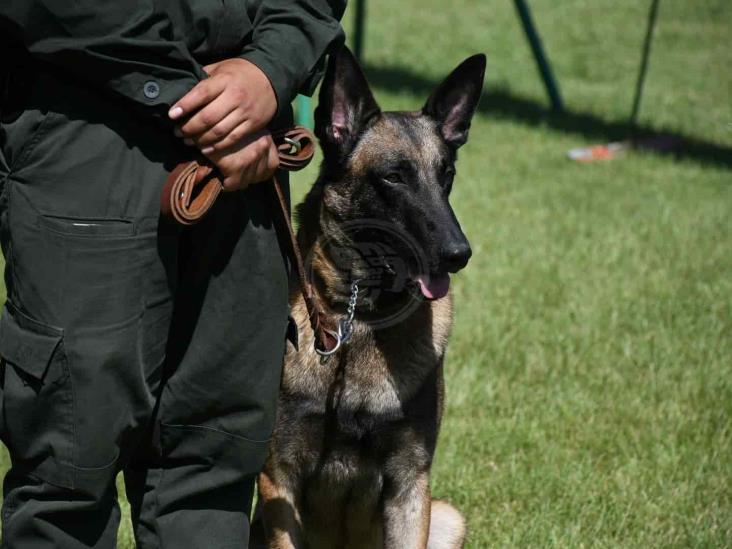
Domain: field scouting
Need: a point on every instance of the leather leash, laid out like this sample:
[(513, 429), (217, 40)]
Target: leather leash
[(192, 188)]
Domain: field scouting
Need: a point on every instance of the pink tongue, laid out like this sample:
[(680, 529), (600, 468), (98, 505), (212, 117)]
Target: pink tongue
[(435, 286)]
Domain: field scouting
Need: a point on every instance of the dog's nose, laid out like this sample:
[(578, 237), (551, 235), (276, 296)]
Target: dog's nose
[(455, 256)]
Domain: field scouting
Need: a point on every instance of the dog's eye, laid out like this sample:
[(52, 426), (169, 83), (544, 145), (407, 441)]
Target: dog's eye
[(393, 177)]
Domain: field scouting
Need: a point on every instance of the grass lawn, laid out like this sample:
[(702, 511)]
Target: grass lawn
[(590, 371)]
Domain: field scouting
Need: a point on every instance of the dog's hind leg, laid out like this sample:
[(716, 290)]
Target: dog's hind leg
[(447, 527)]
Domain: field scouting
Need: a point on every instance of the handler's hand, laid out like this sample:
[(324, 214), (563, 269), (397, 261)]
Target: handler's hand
[(250, 160), (235, 101)]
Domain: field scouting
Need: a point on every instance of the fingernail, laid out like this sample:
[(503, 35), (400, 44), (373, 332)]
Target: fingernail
[(175, 112), (188, 141), (207, 150)]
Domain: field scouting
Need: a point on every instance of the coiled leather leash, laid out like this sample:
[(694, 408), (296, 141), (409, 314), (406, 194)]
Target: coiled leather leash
[(193, 187)]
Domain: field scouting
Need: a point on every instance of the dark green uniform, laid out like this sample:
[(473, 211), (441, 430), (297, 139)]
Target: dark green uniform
[(129, 343)]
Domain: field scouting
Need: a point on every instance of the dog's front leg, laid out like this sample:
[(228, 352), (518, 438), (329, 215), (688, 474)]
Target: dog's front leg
[(407, 512), (280, 514)]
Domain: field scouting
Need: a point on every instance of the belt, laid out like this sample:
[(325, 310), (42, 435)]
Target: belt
[(192, 188)]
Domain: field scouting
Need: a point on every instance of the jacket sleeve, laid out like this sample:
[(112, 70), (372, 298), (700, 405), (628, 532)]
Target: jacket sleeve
[(290, 40), (102, 44)]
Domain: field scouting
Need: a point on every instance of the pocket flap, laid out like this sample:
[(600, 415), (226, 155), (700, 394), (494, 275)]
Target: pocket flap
[(26, 343)]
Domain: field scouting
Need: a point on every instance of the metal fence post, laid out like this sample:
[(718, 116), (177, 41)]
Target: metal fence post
[(358, 28), (643, 67), (304, 108), (541, 60)]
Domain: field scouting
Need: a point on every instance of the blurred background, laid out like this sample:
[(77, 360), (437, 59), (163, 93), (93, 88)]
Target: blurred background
[(589, 377)]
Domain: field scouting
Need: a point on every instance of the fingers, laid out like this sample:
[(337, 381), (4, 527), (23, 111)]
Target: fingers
[(255, 169), (208, 118), (254, 173), (201, 95), (224, 135), (201, 112), (222, 122), (250, 161)]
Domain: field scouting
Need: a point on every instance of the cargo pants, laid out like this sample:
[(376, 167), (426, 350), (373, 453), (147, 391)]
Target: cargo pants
[(128, 343)]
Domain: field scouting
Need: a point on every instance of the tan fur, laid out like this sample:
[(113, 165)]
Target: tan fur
[(447, 526), (321, 497), (350, 458), (386, 137), (345, 507)]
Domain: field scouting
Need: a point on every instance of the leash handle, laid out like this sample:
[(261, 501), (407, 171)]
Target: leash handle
[(193, 187)]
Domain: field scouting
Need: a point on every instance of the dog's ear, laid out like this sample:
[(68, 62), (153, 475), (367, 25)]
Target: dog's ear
[(346, 103), (454, 101)]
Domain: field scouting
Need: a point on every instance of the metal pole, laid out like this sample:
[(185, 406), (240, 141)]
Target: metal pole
[(644, 66), (304, 111), (358, 28), (541, 60)]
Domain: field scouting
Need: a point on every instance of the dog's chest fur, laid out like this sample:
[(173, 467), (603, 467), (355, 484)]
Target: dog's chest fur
[(369, 412)]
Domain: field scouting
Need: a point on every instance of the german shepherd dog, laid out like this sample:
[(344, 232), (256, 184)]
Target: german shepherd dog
[(350, 458)]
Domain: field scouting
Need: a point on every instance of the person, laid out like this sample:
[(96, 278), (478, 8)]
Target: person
[(130, 343)]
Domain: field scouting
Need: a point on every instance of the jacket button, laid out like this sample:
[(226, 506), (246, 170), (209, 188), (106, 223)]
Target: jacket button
[(151, 89)]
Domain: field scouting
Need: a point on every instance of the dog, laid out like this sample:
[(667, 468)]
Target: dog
[(350, 457)]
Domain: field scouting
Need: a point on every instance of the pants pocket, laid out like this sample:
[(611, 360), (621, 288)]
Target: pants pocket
[(86, 227), (38, 399)]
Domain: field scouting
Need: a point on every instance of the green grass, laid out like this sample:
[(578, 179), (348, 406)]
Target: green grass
[(589, 375)]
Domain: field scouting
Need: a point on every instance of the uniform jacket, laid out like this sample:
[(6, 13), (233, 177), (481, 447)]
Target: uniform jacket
[(152, 51)]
